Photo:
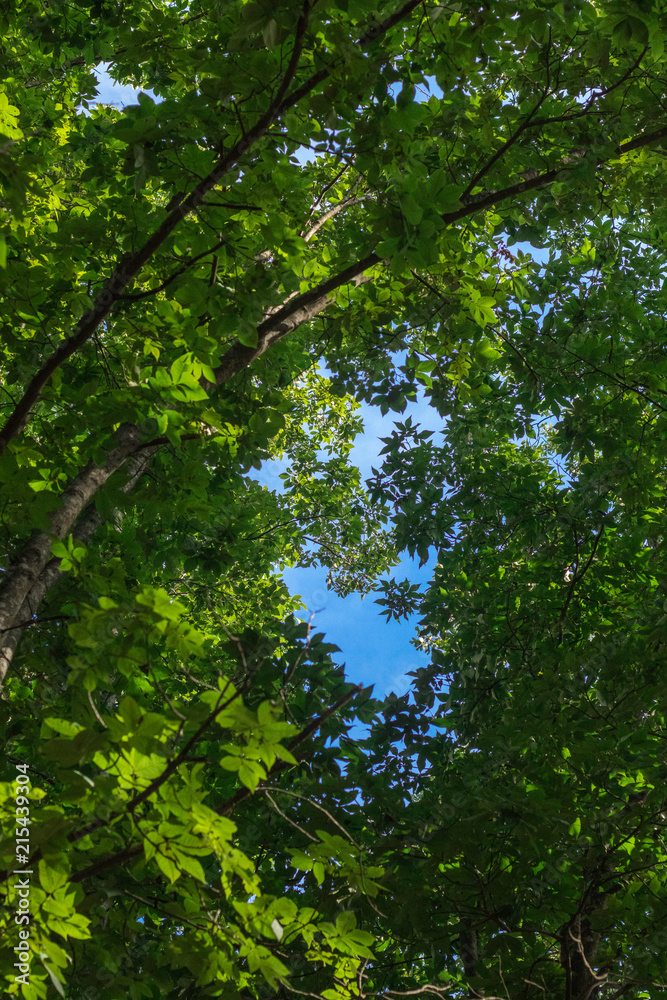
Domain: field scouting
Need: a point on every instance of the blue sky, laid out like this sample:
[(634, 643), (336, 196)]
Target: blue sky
[(116, 94), (375, 651)]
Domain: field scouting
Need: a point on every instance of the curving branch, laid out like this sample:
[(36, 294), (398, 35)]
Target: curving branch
[(308, 234), (130, 268), (297, 310), (49, 573), (125, 273), (22, 575), (176, 274)]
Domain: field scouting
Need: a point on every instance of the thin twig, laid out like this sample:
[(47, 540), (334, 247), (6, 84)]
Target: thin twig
[(312, 802), (308, 234), (95, 712)]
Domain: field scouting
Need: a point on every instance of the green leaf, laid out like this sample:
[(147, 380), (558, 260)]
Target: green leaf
[(270, 33), (168, 867)]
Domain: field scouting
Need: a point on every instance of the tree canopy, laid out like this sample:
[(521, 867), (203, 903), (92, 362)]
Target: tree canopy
[(314, 208)]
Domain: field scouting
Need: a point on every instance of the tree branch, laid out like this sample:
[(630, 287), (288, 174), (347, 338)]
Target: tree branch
[(111, 861), (123, 275), (280, 765), (522, 128), (172, 277), (51, 572), (308, 234), (293, 314), (171, 767), (19, 579)]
